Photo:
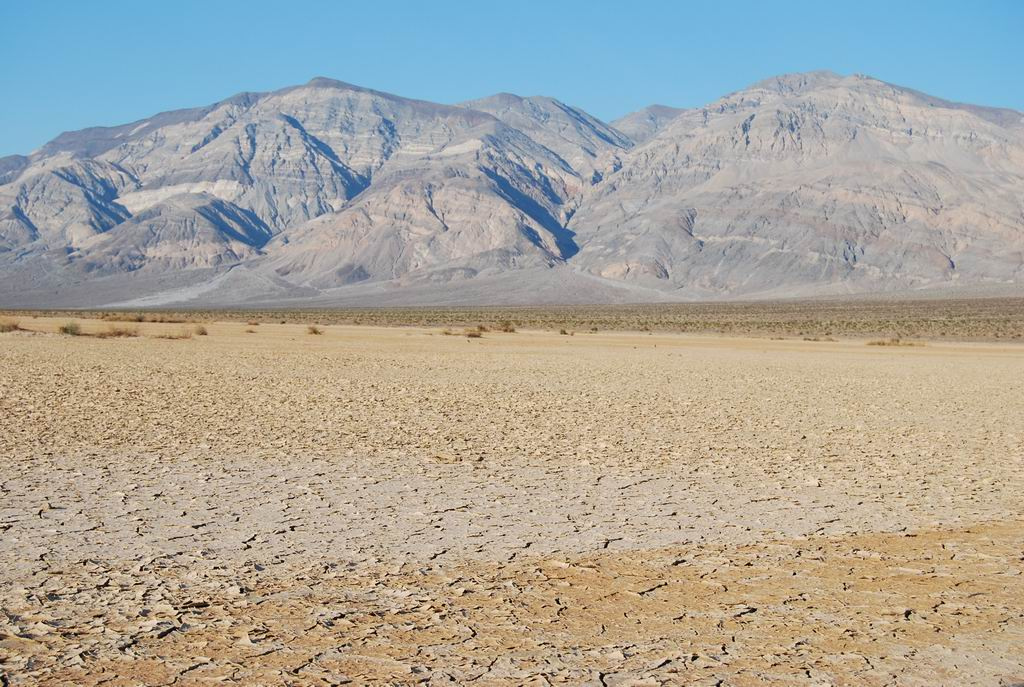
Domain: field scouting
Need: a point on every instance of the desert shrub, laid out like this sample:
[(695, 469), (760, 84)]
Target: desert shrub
[(563, 332), (894, 341), (507, 326), (474, 334), (71, 329), (124, 317), (253, 323), (313, 329), (201, 330), (447, 332), (9, 326), (117, 332)]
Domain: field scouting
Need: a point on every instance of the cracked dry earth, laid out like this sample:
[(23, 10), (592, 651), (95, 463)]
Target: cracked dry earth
[(393, 506)]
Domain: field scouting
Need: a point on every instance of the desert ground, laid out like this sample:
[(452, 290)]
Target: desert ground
[(263, 504), (965, 319)]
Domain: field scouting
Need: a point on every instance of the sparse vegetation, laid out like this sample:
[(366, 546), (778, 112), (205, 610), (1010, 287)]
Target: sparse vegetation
[(253, 323), (507, 326), (142, 317), (9, 326), (960, 319), (71, 329), (117, 333), (894, 341), (200, 330), (563, 332), (160, 317), (476, 332), (124, 317), (313, 329)]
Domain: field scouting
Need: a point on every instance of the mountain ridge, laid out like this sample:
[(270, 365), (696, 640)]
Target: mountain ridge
[(799, 184)]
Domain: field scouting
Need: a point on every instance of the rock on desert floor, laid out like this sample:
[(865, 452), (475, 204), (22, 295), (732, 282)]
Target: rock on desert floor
[(394, 506)]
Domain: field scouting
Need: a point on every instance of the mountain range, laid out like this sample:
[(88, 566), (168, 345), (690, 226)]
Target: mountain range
[(803, 185)]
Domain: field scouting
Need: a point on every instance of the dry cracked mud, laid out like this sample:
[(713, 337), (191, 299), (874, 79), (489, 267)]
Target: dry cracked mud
[(394, 506)]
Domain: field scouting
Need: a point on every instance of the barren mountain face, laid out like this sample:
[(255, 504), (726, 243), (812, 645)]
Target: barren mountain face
[(801, 185), (643, 124), (589, 145), (814, 183)]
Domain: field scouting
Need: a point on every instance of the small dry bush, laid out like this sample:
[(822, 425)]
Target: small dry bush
[(447, 332), (253, 323), (71, 329), (124, 317), (200, 330), (183, 334), (894, 341), (474, 334), (250, 331), (507, 326), (313, 329), (9, 326), (117, 333), (563, 332)]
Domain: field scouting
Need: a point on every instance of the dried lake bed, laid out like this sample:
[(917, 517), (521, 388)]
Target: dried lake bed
[(263, 505)]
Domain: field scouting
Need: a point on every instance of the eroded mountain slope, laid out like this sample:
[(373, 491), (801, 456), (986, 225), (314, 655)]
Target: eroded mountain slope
[(805, 184), (814, 183)]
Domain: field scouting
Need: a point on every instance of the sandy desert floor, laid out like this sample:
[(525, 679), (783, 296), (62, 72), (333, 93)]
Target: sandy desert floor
[(974, 319), (394, 506)]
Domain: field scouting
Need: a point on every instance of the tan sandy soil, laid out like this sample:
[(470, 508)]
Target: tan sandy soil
[(397, 506)]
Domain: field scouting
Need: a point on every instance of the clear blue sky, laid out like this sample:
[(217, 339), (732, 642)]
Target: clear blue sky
[(68, 65)]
